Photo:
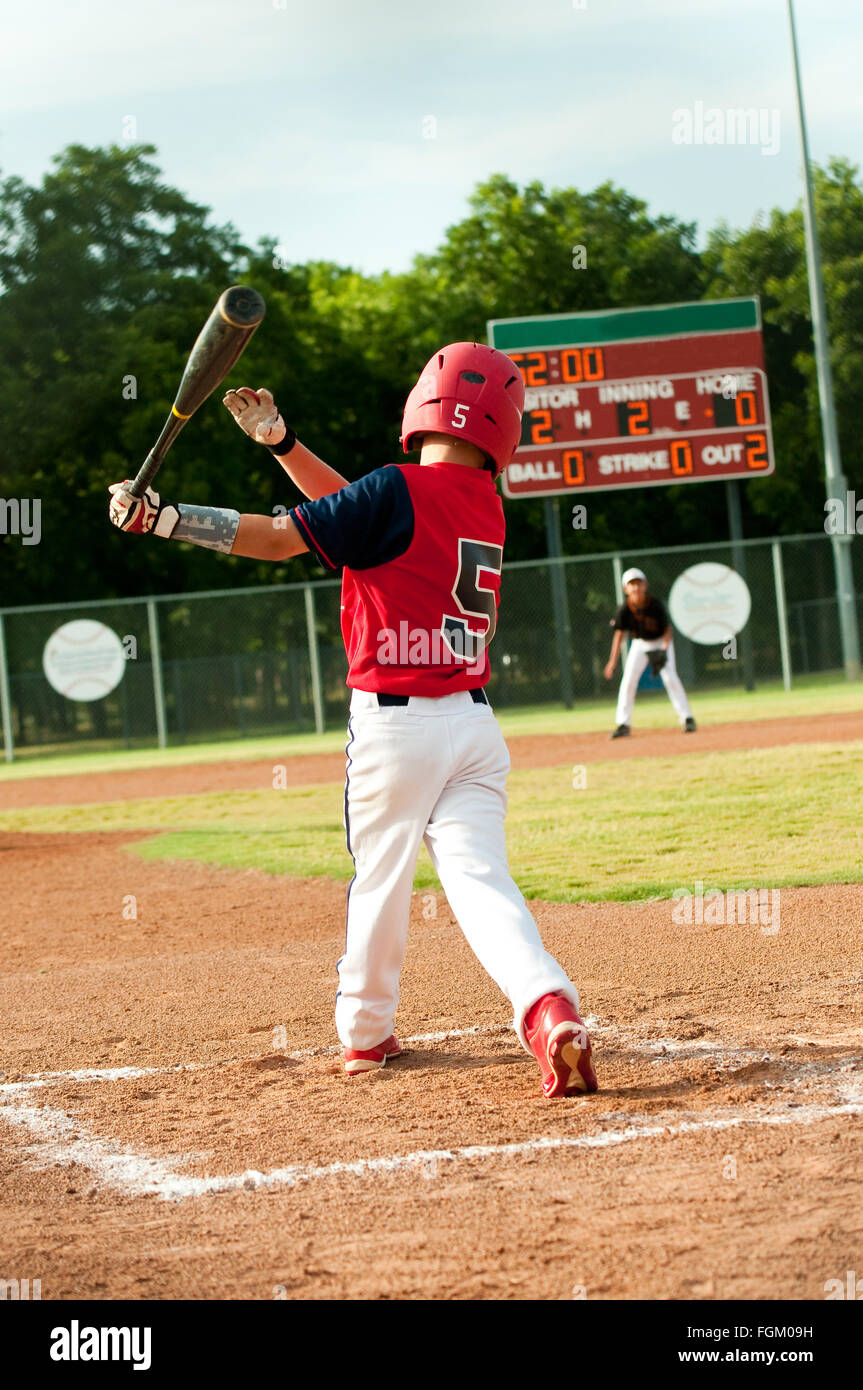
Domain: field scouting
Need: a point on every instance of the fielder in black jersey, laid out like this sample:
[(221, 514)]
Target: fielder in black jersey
[(644, 618)]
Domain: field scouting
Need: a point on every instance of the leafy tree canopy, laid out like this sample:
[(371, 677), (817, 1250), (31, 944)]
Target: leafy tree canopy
[(107, 273)]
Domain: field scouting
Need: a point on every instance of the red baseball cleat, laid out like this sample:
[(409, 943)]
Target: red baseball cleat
[(558, 1039), (356, 1062)]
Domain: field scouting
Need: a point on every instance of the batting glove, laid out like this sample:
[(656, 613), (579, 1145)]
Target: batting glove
[(141, 514), (257, 414)]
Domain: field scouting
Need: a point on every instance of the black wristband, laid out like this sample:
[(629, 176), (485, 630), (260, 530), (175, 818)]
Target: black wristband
[(285, 445)]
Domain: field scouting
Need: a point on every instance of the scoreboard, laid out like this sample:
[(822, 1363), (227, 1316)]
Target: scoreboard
[(638, 397)]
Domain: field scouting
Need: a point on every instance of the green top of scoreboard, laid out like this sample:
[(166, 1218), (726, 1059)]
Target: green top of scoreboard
[(626, 325)]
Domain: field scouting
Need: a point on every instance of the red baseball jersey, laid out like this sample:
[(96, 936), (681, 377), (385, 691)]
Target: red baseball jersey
[(420, 547)]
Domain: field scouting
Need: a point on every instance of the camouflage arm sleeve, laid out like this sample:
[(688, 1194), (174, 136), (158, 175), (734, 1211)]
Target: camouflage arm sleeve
[(213, 527)]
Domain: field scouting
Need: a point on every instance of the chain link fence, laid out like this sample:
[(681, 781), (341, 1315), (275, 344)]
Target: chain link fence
[(270, 661)]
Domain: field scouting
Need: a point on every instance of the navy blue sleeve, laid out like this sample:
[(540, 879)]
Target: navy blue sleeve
[(362, 525)]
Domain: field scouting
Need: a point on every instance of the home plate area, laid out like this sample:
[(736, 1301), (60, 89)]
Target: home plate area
[(455, 1100)]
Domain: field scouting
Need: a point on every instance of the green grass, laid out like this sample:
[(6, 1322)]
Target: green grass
[(653, 711), (812, 695), (641, 827), (120, 760)]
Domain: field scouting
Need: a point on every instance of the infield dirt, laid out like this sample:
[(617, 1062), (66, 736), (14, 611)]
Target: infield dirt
[(720, 1159), (545, 750)]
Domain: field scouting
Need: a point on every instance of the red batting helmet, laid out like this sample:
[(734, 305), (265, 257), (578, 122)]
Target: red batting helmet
[(472, 392)]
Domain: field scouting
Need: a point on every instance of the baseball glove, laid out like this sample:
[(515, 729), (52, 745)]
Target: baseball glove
[(657, 660)]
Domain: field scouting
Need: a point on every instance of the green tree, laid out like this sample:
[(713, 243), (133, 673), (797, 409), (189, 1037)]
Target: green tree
[(517, 254), (769, 259), (103, 271), (106, 275)]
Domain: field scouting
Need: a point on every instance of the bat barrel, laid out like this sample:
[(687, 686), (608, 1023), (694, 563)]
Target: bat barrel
[(242, 306), (235, 316)]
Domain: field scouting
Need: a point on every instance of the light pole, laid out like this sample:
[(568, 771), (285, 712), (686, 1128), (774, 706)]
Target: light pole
[(835, 480)]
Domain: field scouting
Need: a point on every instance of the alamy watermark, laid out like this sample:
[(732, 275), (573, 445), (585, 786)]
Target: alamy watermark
[(20, 1290), (419, 646), (744, 906), (850, 1288), (77, 1343), (844, 515), (21, 516), (697, 125)]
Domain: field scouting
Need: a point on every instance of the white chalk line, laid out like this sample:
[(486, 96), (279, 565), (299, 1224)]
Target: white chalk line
[(41, 1079), (667, 1048), (60, 1140), (48, 1078)]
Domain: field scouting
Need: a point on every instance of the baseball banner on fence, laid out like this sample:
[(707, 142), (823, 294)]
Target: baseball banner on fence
[(673, 393), (84, 660), (710, 603)]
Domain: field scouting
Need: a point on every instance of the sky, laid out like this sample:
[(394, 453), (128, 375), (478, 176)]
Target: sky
[(355, 132)]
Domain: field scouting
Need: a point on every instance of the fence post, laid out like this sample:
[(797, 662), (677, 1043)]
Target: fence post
[(781, 613), (801, 633), (158, 684), (738, 559), (5, 700), (314, 661), (559, 602), (618, 578)]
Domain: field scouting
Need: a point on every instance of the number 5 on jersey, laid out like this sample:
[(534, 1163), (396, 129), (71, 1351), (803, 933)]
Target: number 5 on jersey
[(474, 600)]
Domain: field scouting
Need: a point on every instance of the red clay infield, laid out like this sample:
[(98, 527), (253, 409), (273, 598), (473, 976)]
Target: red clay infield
[(547, 750), (720, 1158)]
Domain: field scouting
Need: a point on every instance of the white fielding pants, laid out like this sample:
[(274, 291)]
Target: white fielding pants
[(632, 671), (432, 770)]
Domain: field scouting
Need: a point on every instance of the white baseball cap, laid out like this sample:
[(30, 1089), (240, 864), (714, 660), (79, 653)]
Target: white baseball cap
[(633, 574)]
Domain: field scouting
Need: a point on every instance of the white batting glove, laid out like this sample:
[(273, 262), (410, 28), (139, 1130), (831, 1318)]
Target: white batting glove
[(141, 514), (257, 414)]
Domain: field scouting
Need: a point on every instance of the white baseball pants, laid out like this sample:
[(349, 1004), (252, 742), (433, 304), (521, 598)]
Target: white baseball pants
[(432, 770), (632, 671)]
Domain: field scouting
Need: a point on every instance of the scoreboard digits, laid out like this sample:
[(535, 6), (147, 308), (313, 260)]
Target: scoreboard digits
[(584, 429), (664, 393), (739, 409), (568, 366)]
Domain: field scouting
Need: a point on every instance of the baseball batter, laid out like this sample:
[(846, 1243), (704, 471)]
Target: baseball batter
[(645, 619), (420, 550)]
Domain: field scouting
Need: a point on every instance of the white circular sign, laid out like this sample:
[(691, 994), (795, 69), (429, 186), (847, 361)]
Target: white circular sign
[(84, 660), (709, 603)]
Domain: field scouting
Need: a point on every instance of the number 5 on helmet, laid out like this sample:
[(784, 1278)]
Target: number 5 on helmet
[(472, 392)]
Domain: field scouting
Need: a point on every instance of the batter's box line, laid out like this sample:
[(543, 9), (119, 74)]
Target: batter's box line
[(41, 1079), (49, 1078), (666, 1048), (61, 1141)]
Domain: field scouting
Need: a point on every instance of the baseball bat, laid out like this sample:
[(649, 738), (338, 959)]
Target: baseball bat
[(236, 315)]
